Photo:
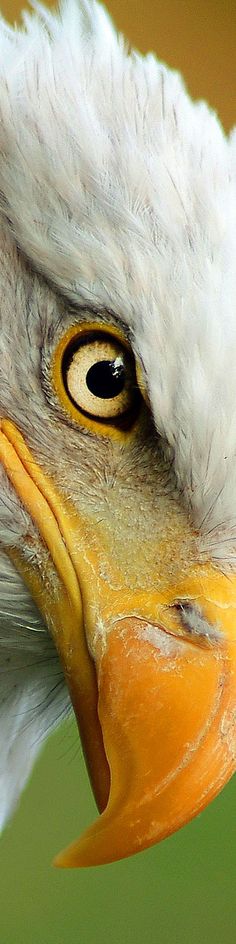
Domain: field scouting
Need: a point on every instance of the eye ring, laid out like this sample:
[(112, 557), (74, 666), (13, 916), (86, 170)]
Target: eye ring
[(94, 376)]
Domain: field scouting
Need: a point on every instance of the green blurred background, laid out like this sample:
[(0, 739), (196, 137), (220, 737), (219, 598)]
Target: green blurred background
[(183, 891)]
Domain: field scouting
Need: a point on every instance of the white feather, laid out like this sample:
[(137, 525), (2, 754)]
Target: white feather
[(34, 697), (122, 192)]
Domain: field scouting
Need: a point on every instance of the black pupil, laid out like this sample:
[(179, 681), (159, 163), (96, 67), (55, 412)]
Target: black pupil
[(106, 379)]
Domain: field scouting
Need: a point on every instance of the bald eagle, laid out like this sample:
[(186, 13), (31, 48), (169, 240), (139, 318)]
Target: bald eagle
[(118, 426)]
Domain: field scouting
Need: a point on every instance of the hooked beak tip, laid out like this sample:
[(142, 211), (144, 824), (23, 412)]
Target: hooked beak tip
[(161, 712)]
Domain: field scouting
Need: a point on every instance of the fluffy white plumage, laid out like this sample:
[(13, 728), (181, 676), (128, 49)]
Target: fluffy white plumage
[(32, 687), (122, 193)]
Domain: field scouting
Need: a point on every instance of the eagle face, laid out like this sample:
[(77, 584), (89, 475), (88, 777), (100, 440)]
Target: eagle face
[(117, 441)]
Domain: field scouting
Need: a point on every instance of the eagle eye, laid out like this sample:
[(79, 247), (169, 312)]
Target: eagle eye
[(96, 376)]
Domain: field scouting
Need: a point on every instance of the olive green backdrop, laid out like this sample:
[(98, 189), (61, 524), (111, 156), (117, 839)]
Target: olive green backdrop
[(183, 891)]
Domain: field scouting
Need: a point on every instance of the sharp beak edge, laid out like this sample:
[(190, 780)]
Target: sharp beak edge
[(156, 701)]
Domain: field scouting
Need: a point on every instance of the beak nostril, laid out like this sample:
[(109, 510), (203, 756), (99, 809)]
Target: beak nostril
[(196, 623)]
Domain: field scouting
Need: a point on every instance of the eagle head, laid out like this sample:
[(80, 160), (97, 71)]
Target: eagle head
[(118, 426)]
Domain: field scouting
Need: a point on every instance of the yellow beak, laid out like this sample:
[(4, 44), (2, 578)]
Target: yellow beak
[(154, 691)]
